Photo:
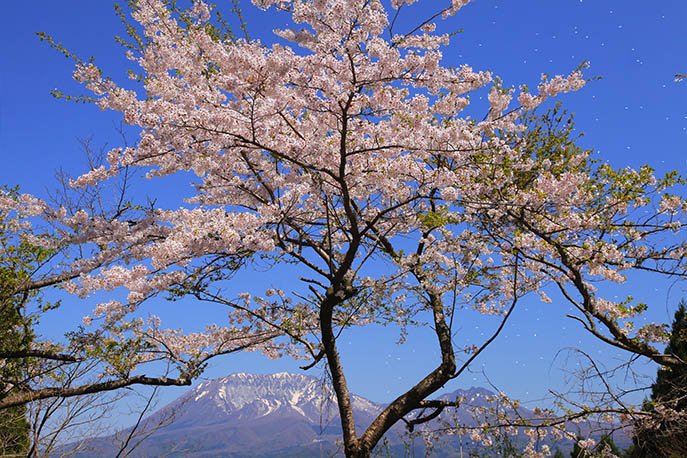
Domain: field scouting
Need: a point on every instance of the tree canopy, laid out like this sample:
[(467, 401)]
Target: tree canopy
[(347, 152)]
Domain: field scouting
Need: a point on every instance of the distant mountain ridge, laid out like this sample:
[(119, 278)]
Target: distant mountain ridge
[(268, 415)]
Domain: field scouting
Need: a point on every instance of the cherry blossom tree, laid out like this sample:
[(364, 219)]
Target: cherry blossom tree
[(346, 150)]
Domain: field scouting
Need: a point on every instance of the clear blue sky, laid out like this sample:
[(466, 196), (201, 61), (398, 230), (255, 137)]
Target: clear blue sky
[(634, 114)]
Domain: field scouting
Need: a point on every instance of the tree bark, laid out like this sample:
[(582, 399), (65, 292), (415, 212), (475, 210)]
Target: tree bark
[(23, 397)]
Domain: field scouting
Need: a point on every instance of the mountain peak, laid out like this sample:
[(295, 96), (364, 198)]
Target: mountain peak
[(261, 394)]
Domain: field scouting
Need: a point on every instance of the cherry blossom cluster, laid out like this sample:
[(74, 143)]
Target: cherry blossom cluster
[(349, 159)]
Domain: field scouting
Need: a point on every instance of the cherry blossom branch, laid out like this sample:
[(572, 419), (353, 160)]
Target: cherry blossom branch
[(20, 354), (501, 326), (65, 392)]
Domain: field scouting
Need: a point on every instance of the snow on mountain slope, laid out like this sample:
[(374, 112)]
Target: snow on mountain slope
[(252, 396)]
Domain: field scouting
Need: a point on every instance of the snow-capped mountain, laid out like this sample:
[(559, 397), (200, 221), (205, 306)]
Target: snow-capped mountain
[(246, 398), (250, 396), (244, 415)]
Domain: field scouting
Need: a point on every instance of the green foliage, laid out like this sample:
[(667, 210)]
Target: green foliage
[(434, 219), (43, 36), (14, 432), (547, 146), (552, 136), (550, 140), (19, 259)]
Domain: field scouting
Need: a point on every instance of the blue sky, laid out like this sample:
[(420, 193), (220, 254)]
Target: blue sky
[(636, 113)]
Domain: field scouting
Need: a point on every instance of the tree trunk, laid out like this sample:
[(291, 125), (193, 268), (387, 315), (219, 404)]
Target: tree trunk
[(358, 452)]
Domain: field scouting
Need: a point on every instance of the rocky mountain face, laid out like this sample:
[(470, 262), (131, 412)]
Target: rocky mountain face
[(248, 397), (271, 415)]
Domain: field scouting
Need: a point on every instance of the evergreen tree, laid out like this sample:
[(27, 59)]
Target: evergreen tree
[(669, 438), (671, 383), (15, 336), (608, 445), (19, 261)]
